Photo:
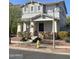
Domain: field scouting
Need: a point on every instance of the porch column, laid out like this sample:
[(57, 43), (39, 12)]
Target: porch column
[(55, 26), (24, 26), (53, 30), (32, 28), (18, 28)]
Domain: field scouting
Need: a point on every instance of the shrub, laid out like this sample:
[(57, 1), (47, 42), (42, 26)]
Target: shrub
[(28, 35), (25, 36), (20, 34), (67, 39), (45, 35), (63, 34), (23, 39), (41, 35)]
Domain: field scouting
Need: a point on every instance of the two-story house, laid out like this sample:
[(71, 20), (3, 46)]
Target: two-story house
[(49, 17)]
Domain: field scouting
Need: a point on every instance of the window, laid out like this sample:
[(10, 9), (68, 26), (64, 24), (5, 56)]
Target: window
[(38, 7), (32, 8), (62, 11), (24, 8)]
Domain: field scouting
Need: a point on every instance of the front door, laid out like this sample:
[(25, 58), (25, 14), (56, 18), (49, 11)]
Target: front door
[(41, 26)]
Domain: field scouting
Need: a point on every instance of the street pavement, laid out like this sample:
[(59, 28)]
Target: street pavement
[(20, 54)]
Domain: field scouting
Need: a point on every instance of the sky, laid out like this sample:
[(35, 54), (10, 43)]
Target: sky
[(67, 2)]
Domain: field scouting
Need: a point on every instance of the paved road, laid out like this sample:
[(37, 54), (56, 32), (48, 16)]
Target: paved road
[(19, 54)]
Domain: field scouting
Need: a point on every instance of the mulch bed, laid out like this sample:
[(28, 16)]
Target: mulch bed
[(44, 41), (16, 38), (57, 42), (22, 45)]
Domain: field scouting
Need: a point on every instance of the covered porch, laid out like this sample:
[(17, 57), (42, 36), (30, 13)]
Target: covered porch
[(40, 26)]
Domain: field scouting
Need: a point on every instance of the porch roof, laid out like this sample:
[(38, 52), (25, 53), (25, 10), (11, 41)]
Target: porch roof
[(37, 17)]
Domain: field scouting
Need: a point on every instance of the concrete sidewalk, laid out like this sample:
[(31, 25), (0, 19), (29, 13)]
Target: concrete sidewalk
[(45, 45)]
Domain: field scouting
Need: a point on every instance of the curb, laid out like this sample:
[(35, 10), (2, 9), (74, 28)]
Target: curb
[(38, 50)]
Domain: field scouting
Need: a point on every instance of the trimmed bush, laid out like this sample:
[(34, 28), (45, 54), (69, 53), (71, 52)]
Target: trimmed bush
[(63, 34)]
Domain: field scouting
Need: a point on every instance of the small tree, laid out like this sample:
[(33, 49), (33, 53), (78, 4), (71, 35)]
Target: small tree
[(14, 17)]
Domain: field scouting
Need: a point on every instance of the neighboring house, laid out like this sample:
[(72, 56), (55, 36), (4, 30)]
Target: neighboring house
[(10, 4), (49, 17)]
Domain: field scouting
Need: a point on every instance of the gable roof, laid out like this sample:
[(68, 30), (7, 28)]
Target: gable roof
[(65, 7), (31, 2)]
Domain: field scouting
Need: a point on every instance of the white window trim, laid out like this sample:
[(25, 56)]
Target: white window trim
[(32, 8)]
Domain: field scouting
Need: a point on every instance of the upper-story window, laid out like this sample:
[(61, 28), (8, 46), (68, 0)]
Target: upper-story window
[(38, 7), (24, 8), (32, 8)]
